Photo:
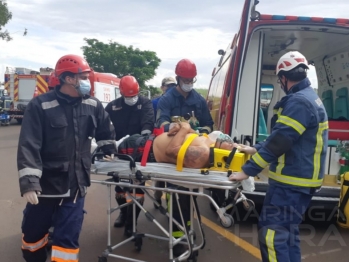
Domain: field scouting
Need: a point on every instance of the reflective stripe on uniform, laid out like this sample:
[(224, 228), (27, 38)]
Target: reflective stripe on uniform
[(318, 149), (259, 160), (269, 240), (295, 181), (50, 104), (60, 254), (90, 102), (32, 247), (27, 171), (288, 121), (281, 164), (137, 196)]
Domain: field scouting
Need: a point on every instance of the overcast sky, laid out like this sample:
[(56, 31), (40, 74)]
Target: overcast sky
[(194, 29)]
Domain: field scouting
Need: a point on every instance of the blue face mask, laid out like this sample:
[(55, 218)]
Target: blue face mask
[(84, 87)]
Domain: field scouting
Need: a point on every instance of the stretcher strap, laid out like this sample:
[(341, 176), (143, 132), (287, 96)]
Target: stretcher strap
[(147, 150), (182, 150)]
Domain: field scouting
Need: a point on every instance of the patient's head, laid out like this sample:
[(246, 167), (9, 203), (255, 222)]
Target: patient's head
[(224, 141)]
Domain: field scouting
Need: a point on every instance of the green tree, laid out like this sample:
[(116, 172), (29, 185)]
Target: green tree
[(5, 17), (121, 60)]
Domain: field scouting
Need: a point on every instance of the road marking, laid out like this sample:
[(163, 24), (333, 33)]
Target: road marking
[(233, 238), (254, 251)]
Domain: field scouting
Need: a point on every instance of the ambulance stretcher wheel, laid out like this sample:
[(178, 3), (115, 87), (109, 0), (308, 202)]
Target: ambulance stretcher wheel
[(102, 259), (228, 221)]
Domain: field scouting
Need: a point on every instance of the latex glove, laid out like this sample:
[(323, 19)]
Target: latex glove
[(238, 176), (108, 158), (246, 149), (31, 197)]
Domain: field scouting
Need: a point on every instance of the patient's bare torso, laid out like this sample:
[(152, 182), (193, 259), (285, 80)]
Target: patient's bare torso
[(196, 156)]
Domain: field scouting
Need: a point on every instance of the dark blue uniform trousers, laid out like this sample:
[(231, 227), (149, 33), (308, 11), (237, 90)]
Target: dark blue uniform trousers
[(66, 217), (278, 226)]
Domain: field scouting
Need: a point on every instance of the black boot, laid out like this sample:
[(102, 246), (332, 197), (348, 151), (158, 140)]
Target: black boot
[(120, 221), (129, 220)]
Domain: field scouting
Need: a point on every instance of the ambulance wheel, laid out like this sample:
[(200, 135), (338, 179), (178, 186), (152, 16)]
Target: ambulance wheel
[(228, 221), (102, 259), (248, 205)]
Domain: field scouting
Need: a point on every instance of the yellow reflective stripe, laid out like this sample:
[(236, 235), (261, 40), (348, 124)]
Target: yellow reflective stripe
[(281, 164), (318, 149), (259, 160), (288, 121), (269, 240), (182, 150), (177, 234), (295, 181)]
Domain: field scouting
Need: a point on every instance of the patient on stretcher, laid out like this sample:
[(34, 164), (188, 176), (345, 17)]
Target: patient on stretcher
[(166, 146)]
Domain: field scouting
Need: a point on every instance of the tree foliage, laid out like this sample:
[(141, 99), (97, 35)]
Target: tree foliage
[(5, 17), (121, 60)]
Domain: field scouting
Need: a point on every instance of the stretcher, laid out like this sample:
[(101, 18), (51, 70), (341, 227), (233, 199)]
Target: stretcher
[(130, 175)]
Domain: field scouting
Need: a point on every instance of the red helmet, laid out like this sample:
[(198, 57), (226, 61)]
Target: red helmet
[(186, 68), (53, 81), (129, 86), (71, 63)]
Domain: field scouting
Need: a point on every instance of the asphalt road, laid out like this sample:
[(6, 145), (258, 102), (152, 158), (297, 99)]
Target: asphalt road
[(321, 238)]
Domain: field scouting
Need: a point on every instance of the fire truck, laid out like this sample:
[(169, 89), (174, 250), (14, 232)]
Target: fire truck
[(23, 84), (246, 69)]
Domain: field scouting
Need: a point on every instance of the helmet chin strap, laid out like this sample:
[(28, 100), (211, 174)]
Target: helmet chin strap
[(284, 86)]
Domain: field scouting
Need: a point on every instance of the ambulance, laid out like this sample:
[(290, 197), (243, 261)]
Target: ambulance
[(244, 88)]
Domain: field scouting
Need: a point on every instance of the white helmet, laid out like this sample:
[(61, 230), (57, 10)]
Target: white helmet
[(5, 92), (291, 60)]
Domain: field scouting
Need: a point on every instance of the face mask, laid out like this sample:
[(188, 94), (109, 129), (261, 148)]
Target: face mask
[(84, 87), (187, 87), (131, 100)]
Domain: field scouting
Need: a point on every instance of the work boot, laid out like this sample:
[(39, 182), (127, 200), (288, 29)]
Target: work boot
[(129, 219), (120, 221)]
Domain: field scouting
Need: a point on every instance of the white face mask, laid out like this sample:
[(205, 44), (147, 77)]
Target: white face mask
[(187, 87), (131, 100), (84, 87)]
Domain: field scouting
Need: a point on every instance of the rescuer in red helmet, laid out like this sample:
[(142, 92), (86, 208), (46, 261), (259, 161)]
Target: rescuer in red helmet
[(184, 101), (187, 104), (131, 114), (54, 160)]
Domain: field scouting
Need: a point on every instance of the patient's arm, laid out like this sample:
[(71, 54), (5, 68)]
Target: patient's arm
[(178, 140)]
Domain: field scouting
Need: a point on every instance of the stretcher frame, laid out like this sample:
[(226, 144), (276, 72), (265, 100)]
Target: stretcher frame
[(130, 176)]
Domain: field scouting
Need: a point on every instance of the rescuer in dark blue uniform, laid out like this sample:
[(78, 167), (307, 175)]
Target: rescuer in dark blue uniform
[(295, 152)]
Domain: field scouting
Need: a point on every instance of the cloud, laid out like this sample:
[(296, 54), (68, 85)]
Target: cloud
[(173, 29)]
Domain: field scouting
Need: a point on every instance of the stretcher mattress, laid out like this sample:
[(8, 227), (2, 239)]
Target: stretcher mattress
[(164, 171)]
